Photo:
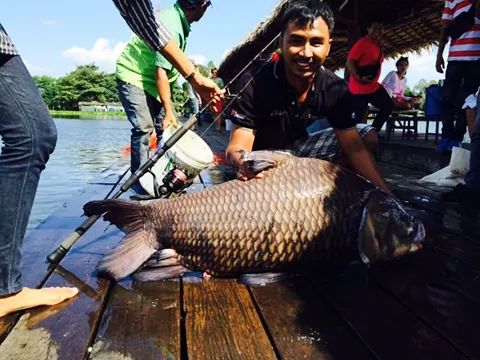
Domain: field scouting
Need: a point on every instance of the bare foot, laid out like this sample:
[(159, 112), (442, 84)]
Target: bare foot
[(29, 298)]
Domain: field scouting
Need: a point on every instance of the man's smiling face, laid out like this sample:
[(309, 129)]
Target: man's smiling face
[(305, 48)]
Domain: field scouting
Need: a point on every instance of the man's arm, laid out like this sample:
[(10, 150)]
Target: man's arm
[(240, 139), (352, 68), (139, 16), (163, 87), (440, 63), (360, 158)]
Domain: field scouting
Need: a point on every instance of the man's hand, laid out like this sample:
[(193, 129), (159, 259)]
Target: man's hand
[(169, 119), (245, 173), (206, 88), (440, 64)]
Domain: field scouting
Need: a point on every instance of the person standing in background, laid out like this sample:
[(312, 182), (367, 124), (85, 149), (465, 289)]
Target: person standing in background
[(364, 64), (144, 78), (462, 76)]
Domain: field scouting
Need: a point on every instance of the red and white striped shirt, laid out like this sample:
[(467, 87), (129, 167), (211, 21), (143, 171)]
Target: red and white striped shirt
[(467, 46)]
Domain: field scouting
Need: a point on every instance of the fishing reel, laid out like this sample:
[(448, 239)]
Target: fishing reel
[(175, 181)]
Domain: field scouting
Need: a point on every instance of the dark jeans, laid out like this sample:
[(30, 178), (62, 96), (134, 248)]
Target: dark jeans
[(462, 78), (29, 137), (472, 178), (145, 114), (380, 99)]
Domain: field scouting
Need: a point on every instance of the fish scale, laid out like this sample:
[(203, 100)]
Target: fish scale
[(248, 226)]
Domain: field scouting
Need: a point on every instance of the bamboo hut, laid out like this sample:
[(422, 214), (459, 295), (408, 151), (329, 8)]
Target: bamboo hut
[(410, 25)]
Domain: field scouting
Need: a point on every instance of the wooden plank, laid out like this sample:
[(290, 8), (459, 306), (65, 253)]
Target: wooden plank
[(221, 322), (441, 291), (67, 333), (389, 329), (303, 326), (140, 322), (45, 237)]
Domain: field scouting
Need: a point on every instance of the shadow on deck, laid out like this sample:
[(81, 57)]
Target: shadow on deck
[(425, 306)]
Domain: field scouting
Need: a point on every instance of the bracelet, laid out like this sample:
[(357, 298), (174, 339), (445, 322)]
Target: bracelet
[(191, 75)]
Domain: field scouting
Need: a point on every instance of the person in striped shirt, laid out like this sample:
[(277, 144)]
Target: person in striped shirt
[(462, 76), (29, 137)]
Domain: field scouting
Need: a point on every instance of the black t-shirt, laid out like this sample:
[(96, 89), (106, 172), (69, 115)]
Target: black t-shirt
[(269, 106)]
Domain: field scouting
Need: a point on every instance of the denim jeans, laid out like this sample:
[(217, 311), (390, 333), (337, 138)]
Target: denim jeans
[(29, 137), (462, 78), (144, 113), (472, 178), (380, 99)]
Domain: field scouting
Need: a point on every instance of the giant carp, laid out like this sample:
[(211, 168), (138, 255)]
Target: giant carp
[(300, 211)]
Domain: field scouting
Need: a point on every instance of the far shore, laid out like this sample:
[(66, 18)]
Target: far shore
[(73, 114)]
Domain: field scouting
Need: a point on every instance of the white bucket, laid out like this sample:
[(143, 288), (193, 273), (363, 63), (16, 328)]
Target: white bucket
[(189, 153)]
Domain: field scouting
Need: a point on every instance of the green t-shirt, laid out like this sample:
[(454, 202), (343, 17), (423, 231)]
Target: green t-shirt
[(137, 64)]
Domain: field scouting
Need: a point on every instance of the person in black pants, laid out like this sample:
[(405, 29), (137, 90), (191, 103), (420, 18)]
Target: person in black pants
[(364, 64)]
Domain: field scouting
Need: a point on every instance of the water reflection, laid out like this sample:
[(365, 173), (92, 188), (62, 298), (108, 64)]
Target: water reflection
[(84, 149)]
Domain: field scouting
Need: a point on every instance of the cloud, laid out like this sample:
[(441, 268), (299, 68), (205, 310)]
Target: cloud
[(103, 54), (198, 59), (48, 22)]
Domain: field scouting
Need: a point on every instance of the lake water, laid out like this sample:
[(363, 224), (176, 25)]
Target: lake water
[(85, 147)]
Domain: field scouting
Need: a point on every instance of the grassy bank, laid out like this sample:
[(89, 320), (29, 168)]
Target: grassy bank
[(87, 115)]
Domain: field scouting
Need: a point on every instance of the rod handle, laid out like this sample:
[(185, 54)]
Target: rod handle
[(57, 255)]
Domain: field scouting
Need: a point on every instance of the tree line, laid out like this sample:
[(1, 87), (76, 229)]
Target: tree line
[(88, 83)]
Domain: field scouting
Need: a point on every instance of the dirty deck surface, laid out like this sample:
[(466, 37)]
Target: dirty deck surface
[(425, 306)]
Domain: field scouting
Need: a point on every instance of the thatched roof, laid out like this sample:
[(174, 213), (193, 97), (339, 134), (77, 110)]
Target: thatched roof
[(410, 25)]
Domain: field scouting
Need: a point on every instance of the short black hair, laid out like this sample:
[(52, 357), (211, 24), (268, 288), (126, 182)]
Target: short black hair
[(373, 20), (190, 4), (305, 12), (401, 59)]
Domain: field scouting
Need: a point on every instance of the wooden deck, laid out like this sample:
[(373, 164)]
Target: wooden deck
[(425, 306)]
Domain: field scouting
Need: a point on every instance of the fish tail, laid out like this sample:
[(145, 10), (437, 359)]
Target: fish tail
[(138, 244)]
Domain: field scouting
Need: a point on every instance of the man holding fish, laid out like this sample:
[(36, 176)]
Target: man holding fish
[(287, 96)]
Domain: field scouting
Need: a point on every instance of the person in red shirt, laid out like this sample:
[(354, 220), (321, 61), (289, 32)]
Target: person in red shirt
[(364, 64)]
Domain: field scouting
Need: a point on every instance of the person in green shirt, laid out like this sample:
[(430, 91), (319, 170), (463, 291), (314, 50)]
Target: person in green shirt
[(144, 78)]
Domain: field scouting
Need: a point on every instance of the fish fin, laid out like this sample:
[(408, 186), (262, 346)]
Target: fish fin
[(257, 161), (136, 247), (262, 279), (163, 273), (124, 214)]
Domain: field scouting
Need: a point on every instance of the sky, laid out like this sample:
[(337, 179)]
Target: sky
[(54, 36)]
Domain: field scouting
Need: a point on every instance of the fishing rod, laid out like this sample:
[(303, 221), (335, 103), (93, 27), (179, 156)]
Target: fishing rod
[(59, 253)]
